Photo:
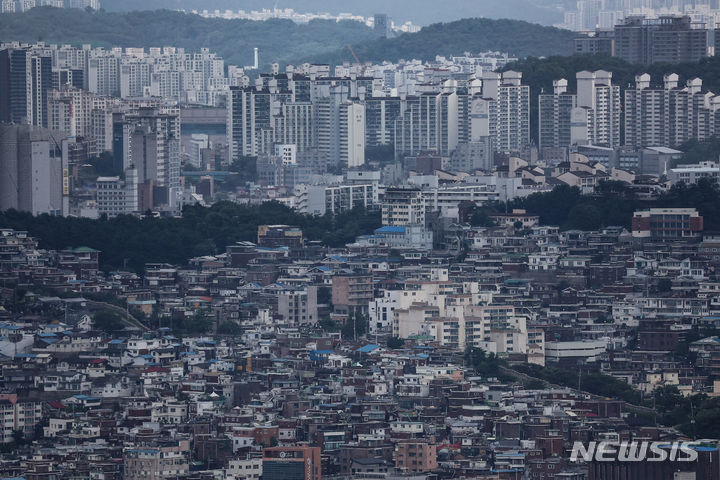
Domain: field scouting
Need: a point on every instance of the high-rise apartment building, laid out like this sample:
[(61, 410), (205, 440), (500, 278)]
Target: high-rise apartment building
[(429, 123), (668, 39), (27, 77), (148, 140), (501, 112), (555, 112), (249, 121), (34, 164), (380, 116), (600, 100), (340, 126), (669, 115)]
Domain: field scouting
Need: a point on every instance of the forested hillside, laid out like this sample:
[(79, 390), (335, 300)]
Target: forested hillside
[(422, 12), (474, 35), (278, 40)]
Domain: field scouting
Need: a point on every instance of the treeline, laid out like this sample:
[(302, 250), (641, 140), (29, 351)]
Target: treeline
[(420, 12), (593, 382), (278, 40), (539, 74), (473, 35), (132, 242), (613, 204)]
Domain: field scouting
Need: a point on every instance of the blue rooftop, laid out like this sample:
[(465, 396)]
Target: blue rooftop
[(390, 229), (368, 348)]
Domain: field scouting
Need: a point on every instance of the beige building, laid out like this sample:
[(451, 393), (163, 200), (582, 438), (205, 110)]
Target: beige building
[(145, 463)]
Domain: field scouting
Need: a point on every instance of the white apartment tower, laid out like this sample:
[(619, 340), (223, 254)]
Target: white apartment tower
[(669, 115), (598, 110)]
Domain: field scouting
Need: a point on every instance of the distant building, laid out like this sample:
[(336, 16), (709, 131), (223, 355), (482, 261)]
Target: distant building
[(690, 174), (145, 463), (116, 196), (670, 115), (352, 293), (601, 42), (402, 207), (668, 39), (34, 166), (274, 236), (660, 224), (291, 463), (517, 215), (382, 25), (415, 456)]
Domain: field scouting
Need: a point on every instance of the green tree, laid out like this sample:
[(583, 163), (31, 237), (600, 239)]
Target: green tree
[(355, 326), (229, 328), (483, 363), (395, 342), (584, 217), (108, 321)]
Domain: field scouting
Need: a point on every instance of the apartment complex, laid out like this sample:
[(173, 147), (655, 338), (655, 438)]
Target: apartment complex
[(669, 115), (640, 40), (592, 116)]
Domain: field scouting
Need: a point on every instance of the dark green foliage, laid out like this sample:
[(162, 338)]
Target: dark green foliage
[(534, 384), (200, 231), (696, 151), (483, 363), (355, 327), (229, 328), (108, 321), (480, 217), (475, 35), (596, 383), (678, 410), (566, 207), (395, 342), (278, 40), (328, 325), (199, 323), (584, 216)]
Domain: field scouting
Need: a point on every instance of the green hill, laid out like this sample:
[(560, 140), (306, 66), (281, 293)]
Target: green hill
[(473, 35), (421, 12), (278, 40)]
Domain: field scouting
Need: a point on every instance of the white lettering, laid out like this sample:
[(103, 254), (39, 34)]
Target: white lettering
[(579, 450)]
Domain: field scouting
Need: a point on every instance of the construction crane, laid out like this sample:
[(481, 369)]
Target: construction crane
[(357, 60)]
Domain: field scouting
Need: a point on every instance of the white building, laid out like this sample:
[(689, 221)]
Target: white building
[(690, 174), (584, 350), (116, 196)]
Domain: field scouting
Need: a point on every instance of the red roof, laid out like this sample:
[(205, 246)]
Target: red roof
[(57, 405), (97, 361)]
